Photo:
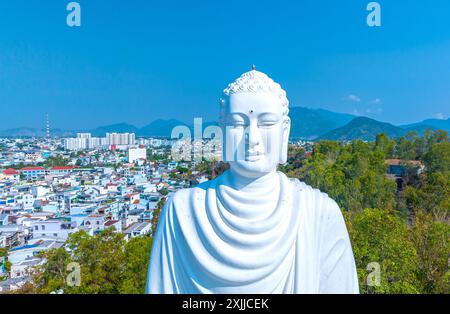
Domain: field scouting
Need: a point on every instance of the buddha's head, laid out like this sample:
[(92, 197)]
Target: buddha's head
[(256, 125)]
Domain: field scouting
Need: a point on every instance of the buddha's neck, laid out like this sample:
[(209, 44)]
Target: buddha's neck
[(246, 184)]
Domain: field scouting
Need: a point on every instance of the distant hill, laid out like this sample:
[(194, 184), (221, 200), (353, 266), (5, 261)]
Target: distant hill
[(363, 128), (309, 123), (159, 127), (433, 124)]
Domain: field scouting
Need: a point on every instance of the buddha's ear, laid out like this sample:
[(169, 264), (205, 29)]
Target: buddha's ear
[(285, 140)]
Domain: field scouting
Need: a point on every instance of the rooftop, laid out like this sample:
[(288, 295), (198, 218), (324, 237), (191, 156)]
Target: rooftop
[(32, 168), (10, 171)]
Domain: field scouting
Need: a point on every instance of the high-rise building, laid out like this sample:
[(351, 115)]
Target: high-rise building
[(75, 144), (84, 135), (121, 138)]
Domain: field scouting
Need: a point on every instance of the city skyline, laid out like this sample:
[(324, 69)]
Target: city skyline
[(136, 64)]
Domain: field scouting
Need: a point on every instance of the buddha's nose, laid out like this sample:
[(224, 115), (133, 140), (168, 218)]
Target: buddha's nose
[(253, 136)]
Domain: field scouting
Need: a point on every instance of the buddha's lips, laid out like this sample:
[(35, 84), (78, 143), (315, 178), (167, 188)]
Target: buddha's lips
[(253, 157), (253, 153)]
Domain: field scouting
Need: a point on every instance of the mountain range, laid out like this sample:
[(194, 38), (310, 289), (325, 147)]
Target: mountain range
[(306, 123)]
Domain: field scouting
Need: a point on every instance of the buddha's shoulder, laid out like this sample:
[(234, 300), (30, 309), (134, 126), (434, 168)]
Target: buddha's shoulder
[(182, 196), (318, 202)]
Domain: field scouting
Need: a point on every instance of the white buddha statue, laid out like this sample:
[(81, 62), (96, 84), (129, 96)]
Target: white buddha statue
[(252, 229)]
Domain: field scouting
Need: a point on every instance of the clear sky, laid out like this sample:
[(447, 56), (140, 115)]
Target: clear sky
[(135, 61)]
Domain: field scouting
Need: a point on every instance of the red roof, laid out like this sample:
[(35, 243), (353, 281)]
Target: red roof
[(62, 168), (396, 162), (32, 168), (10, 171), (110, 222)]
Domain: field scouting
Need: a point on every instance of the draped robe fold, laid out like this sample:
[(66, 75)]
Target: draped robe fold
[(284, 238)]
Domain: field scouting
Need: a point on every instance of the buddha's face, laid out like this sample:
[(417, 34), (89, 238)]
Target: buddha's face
[(256, 133)]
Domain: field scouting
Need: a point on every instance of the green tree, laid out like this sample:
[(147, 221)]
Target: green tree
[(431, 240), (101, 260), (353, 174), (56, 161), (437, 159), (385, 144), (107, 263), (137, 256), (52, 275), (380, 236)]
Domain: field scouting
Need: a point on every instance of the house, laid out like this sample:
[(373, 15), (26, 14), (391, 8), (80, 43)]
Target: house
[(40, 190), (10, 174), (95, 222), (137, 229), (9, 238), (60, 170), (128, 220), (12, 235), (21, 253), (398, 167), (116, 224), (27, 201), (23, 268), (52, 229), (132, 198), (33, 173)]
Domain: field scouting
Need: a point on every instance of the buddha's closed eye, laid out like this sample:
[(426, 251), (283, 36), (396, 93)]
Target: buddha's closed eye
[(267, 120), (236, 121)]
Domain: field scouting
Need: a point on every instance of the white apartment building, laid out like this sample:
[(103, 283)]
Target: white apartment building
[(94, 142), (135, 154), (75, 143), (121, 138), (84, 135)]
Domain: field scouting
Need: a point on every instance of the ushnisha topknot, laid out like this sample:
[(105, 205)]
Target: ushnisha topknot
[(254, 82)]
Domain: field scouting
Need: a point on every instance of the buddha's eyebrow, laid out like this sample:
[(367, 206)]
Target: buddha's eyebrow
[(269, 115), (235, 115)]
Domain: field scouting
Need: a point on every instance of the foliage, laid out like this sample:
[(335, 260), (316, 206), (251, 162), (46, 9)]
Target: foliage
[(137, 256), (432, 194), (353, 175), (52, 275), (295, 159), (108, 264), (431, 239), (56, 161), (380, 236)]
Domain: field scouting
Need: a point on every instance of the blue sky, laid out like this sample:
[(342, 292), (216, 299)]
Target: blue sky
[(136, 61)]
